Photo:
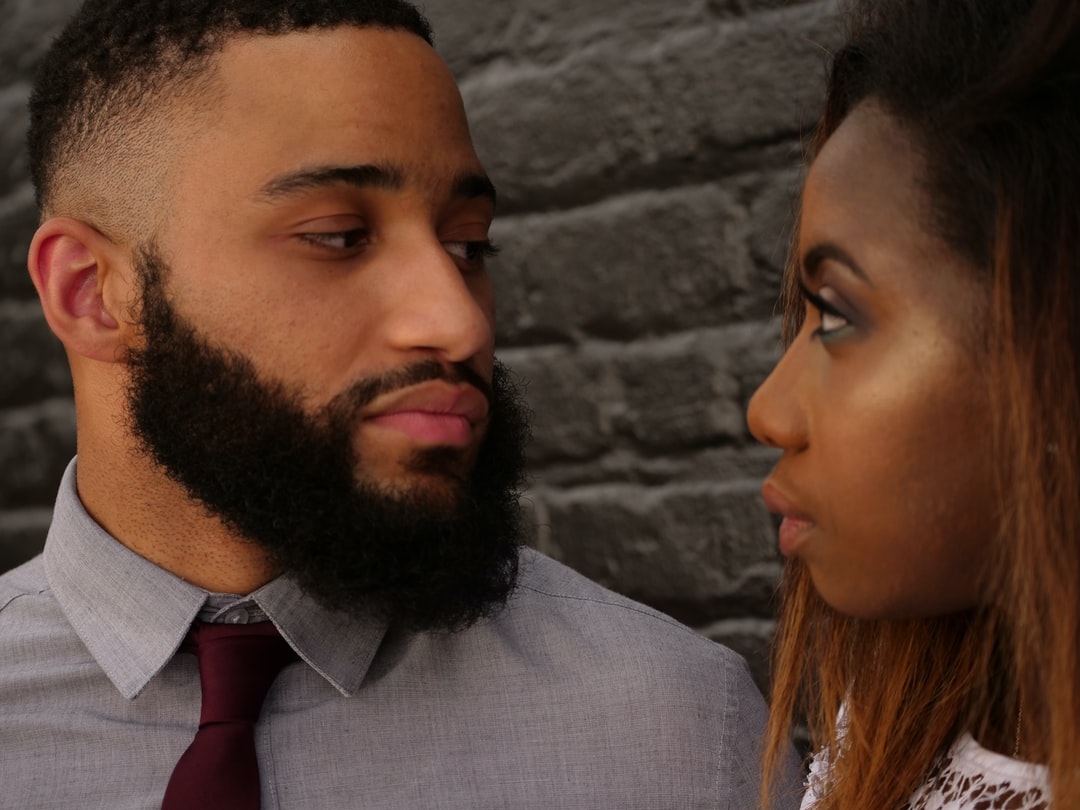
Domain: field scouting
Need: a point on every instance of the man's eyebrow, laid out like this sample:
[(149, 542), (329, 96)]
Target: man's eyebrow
[(474, 185), (362, 176), (812, 259)]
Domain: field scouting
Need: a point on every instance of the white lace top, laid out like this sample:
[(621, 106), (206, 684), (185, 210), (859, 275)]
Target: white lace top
[(968, 777)]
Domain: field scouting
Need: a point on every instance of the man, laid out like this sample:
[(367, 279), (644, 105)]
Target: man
[(263, 238)]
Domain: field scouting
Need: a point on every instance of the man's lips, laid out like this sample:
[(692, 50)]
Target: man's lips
[(795, 526), (435, 413)]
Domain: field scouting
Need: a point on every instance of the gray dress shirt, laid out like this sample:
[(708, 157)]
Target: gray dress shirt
[(571, 697)]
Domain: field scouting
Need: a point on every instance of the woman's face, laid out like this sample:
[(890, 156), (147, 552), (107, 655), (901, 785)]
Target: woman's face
[(881, 405)]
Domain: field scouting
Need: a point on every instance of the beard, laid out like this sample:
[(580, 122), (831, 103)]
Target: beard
[(437, 554)]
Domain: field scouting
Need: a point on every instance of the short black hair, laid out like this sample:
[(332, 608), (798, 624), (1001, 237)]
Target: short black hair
[(116, 59)]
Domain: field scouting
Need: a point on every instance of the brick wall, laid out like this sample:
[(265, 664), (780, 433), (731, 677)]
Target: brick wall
[(646, 154), (37, 418)]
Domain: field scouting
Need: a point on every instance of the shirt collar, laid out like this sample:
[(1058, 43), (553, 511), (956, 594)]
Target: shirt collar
[(133, 615)]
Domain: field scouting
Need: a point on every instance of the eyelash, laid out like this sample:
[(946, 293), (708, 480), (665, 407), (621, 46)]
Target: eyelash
[(476, 251), (825, 309), (352, 238)]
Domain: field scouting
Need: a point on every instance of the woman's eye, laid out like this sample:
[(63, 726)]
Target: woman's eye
[(337, 240), (471, 252), (831, 321)]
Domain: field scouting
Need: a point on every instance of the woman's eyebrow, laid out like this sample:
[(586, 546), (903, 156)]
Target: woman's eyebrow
[(813, 258)]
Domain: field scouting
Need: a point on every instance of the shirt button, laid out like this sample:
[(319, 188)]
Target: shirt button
[(237, 616)]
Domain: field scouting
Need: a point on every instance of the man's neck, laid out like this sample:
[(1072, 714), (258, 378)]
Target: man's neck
[(133, 500)]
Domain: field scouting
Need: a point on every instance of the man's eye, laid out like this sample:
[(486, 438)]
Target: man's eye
[(337, 240), (471, 252)]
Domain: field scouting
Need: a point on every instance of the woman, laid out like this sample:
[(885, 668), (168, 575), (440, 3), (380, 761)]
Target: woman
[(928, 410)]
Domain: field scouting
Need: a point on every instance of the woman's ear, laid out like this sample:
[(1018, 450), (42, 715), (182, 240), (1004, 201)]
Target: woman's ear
[(78, 273)]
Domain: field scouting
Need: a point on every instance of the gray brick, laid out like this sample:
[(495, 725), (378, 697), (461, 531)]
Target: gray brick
[(29, 26), (22, 534), (742, 7), (572, 398), (608, 116), (654, 397), (32, 362), (465, 39), (18, 221), (748, 637), (36, 444), (625, 465), (756, 357), (647, 263), (692, 550), (680, 393), (546, 31), (14, 119), (772, 214)]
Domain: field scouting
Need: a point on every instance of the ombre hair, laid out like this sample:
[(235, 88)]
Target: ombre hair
[(989, 93)]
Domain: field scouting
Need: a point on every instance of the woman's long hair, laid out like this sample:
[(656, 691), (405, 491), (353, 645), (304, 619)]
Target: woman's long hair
[(989, 91)]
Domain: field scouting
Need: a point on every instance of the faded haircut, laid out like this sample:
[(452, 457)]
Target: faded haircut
[(100, 90)]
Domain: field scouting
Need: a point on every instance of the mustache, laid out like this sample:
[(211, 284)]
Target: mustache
[(363, 392)]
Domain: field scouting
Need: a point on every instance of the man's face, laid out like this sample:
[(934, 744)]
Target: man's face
[(328, 222), (317, 364)]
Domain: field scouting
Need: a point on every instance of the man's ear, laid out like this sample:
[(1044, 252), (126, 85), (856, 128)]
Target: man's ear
[(79, 276)]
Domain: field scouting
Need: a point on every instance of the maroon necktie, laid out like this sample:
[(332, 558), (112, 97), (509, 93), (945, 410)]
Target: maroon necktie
[(237, 664)]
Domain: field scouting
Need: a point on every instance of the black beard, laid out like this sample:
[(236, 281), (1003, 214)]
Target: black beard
[(438, 555)]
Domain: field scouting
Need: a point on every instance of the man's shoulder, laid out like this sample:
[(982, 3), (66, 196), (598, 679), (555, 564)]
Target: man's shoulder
[(27, 580), (553, 596), (667, 694), (548, 581), (31, 619)]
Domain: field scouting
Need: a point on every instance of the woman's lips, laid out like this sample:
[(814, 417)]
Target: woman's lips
[(795, 525), (791, 534)]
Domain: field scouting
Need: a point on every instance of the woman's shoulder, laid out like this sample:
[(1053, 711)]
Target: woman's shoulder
[(968, 776)]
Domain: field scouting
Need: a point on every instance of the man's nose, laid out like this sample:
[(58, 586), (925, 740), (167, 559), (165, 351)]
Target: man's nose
[(439, 306)]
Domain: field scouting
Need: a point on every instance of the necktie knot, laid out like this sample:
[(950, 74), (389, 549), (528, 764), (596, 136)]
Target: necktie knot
[(237, 666)]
